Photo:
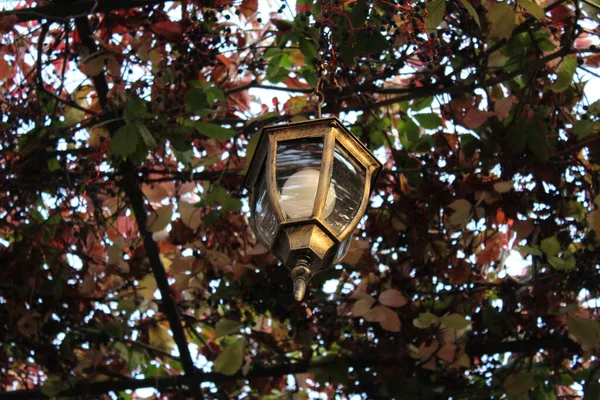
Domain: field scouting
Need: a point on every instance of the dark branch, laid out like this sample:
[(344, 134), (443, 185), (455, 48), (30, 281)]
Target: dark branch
[(167, 383), (81, 8), (130, 185)]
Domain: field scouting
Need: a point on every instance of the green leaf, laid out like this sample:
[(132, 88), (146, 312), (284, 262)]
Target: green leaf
[(533, 9), (276, 71), (220, 196), (469, 144), (471, 11), (213, 94), (437, 11), (212, 217), (537, 143), (214, 131), (53, 386), (409, 130), (308, 73), (371, 43), (307, 48), (227, 327), (592, 391), (455, 321), (53, 164), (594, 108), (196, 100), (135, 109), (359, 14), (146, 135), (429, 121), (502, 20), (425, 320), (550, 246), (517, 385), (585, 331), (584, 128), (565, 74), (335, 370), (562, 263), (530, 250), (231, 358), (116, 330), (184, 156), (420, 104), (125, 140), (251, 147)]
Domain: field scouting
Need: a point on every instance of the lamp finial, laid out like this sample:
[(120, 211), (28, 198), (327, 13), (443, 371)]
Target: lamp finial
[(301, 275)]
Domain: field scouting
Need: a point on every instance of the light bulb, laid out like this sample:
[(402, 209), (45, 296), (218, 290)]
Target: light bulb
[(299, 193)]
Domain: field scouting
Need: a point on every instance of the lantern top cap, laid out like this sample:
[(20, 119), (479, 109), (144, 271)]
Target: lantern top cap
[(272, 129)]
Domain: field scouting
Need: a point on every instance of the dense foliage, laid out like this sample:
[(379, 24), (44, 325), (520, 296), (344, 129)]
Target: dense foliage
[(126, 259)]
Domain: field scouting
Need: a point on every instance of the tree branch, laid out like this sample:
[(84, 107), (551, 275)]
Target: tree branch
[(81, 8), (132, 189), (165, 383)]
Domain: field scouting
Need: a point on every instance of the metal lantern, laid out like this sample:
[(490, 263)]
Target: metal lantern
[(309, 185)]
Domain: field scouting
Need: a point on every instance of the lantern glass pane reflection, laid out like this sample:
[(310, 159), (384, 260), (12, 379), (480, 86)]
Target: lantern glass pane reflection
[(348, 179), (265, 222), (298, 165), (343, 249)]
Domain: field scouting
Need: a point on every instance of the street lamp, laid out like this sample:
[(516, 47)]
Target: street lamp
[(309, 185)]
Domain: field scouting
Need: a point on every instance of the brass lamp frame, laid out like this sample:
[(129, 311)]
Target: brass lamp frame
[(308, 245)]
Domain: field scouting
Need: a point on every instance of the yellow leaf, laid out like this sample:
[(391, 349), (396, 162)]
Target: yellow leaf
[(585, 331), (425, 320), (159, 219), (217, 258), (455, 321), (190, 216), (93, 64), (182, 264), (593, 219), (115, 252), (231, 358), (503, 187), (462, 212), (358, 248), (227, 327), (160, 338), (147, 287), (460, 205)]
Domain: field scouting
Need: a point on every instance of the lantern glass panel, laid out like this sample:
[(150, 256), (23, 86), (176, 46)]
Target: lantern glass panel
[(348, 179), (343, 249), (265, 221), (298, 171)]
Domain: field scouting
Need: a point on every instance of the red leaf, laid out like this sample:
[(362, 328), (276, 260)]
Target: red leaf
[(593, 60), (4, 69), (249, 7), (303, 6), (475, 118), (392, 298), (391, 321), (172, 31), (503, 107), (7, 22)]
